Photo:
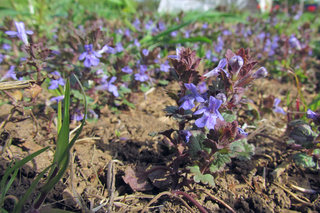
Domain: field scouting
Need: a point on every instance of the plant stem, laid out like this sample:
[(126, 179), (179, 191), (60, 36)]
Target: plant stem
[(191, 199)]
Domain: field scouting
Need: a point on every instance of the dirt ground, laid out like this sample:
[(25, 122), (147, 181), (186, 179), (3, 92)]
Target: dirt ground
[(117, 142)]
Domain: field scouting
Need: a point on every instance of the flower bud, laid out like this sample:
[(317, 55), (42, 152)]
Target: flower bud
[(260, 73), (222, 97), (236, 62)]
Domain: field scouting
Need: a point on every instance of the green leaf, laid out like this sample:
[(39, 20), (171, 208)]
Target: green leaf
[(128, 103), (220, 160), (304, 160), (4, 186), (196, 143), (203, 178), (144, 88), (229, 117), (241, 149), (32, 187), (163, 82), (201, 39)]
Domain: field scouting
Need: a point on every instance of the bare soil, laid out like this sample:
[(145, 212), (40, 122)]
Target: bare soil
[(118, 141)]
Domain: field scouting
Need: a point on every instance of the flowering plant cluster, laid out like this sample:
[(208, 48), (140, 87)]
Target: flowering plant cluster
[(209, 134)]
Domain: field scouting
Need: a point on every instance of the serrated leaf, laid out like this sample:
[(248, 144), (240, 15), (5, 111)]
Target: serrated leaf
[(241, 149), (220, 161), (304, 160), (229, 117), (203, 178)]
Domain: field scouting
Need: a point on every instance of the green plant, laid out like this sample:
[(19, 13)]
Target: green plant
[(58, 166)]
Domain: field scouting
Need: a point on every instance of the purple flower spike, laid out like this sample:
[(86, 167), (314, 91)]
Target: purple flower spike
[(188, 100), (210, 114), (276, 108), (21, 32), (91, 57), (127, 69), (219, 68)]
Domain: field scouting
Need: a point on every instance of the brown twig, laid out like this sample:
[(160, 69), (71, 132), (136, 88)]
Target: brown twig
[(219, 201), (191, 199), (305, 201), (155, 199)]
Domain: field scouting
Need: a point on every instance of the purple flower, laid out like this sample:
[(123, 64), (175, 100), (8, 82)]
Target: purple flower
[(136, 43), (242, 132), (1, 57), (162, 26), (174, 34), (236, 62), (6, 46), (21, 32), (119, 47), (57, 98), (109, 86), (111, 50), (104, 49), (188, 100), (219, 46), (127, 32), (294, 42), (127, 69), (142, 76), (136, 24), (165, 67), (210, 114), (77, 116), (205, 26), (149, 25), (276, 108), (185, 134), (187, 34), (145, 52), (312, 115), (202, 87), (226, 32), (54, 84), (91, 57), (260, 73), (219, 68), (10, 74), (176, 56)]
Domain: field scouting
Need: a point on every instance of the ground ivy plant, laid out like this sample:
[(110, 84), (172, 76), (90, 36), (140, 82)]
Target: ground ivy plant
[(209, 135)]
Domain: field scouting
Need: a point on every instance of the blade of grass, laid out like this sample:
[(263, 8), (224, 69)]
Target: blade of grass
[(64, 156), (27, 194), (17, 165)]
